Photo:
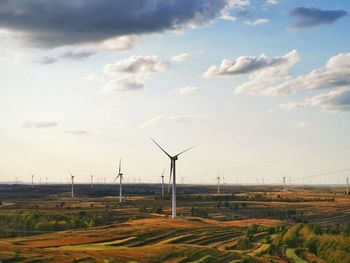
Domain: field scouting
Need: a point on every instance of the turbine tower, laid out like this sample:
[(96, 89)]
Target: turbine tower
[(218, 179), (32, 180), (173, 160), (72, 182), (121, 179), (163, 182), (92, 181), (347, 185), (284, 184)]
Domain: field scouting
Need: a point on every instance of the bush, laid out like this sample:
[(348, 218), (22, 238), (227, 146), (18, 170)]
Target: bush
[(200, 212)]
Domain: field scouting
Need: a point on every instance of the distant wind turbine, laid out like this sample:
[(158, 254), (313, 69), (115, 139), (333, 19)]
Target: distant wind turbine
[(32, 180), (284, 184), (72, 184), (173, 160), (347, 185), (92, 181), (121, 178), (218, 180)]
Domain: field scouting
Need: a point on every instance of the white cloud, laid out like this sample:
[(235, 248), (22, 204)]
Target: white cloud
[(258, 22), (268, 75), (263, 71), (120, 43), (336, 73), (272, 2), (181, 57), (39, 124), (238, 3), (136, 65), (249, 64), (123, 84), (129, 74), (332, 101), (155, 121), (228, 17), (187, 90)]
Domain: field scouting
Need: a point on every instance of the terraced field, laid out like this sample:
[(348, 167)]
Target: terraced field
[(146, 240)]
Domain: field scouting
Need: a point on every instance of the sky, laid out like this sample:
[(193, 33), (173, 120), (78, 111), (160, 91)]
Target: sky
[(262, 88)]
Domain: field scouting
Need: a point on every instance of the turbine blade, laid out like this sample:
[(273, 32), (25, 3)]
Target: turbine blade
[(186, 150), (161, 148), (163, 172), (117, 177)]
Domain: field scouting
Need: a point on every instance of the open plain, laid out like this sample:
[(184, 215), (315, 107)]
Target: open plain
[(242, 224)]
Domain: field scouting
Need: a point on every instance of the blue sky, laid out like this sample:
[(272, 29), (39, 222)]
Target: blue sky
[(80, 95)]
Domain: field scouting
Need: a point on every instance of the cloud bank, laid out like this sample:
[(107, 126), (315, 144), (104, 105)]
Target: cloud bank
[(56, 23), (336, 73)]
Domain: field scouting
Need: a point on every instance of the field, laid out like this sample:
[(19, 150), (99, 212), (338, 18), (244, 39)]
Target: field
[(243, 224)]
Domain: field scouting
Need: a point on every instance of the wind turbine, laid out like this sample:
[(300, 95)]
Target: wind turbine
[(347, 185), (72, 182), (163, 182), (121, 178), (32, 180), (173, 160), (284, 184), (218, 179), (92, 181)]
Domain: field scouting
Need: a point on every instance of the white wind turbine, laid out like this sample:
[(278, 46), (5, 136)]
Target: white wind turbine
[(121, 179), (32, 180), (72, 184), (173, 160), (92, 180), (218, 180)]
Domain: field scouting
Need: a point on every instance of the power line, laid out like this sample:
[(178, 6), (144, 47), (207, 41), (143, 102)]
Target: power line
[(322, 174), (283, 159)]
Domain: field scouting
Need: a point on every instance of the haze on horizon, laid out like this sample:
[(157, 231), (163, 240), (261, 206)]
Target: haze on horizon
[(262, 87)]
